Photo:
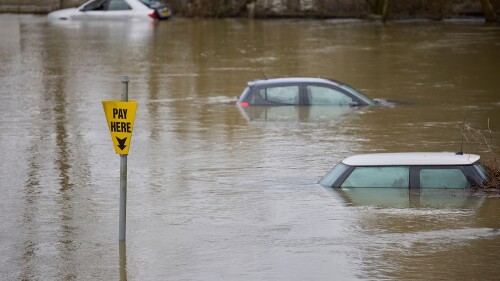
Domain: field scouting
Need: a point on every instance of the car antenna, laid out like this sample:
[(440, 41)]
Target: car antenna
[(461, 152)]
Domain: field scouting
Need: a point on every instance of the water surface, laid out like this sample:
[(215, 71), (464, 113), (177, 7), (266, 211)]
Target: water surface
[(215, 193)]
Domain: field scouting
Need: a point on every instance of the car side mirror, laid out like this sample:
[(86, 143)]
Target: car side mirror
[(354, 103)]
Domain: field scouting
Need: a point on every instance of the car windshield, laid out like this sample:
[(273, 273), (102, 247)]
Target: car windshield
[(357, 93), (329, 179), (95, 5), (107, 5)]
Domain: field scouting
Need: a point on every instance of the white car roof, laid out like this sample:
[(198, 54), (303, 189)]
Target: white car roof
[(411, 158)]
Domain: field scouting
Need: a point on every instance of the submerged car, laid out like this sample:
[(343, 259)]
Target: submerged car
[(300, 91), (115, 9), (407, 170)]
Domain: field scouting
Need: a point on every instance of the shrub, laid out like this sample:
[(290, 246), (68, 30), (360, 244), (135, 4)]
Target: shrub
[(492, 167), (489, 159)]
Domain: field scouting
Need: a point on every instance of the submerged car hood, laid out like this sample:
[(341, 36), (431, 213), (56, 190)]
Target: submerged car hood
[(63, 14)]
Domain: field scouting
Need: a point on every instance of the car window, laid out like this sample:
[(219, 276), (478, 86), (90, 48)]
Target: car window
[(332, 176), (393, 176), (118, 5), (285, 95), (443, 178), (327, 96)]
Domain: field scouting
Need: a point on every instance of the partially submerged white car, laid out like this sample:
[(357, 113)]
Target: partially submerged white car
[(114, 10), (412, 170)]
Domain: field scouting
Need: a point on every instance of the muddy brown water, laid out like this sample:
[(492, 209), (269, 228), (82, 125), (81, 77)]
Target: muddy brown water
[(216, 193)]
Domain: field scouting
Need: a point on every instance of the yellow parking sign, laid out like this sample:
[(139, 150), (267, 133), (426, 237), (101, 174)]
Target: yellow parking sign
[(120, 116)]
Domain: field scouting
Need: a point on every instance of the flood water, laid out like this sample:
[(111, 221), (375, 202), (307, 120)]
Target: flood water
[(215, 193)]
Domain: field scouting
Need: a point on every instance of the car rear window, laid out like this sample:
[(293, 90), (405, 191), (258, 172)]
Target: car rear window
[(481, 170), (390, 176)]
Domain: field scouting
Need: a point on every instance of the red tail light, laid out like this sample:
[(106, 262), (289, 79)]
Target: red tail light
[(244, 104), (153, 15)]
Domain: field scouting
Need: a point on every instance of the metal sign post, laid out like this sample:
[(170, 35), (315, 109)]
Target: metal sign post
[(123, 174), (120, 116)]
